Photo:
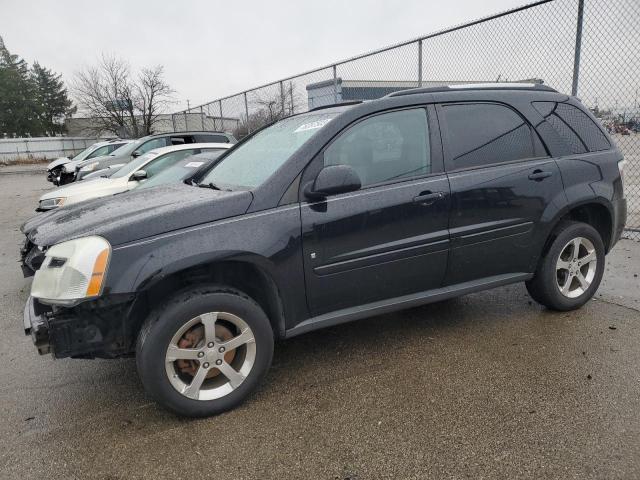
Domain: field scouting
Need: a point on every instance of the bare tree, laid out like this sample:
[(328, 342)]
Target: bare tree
[(268, 109), (117, 101), (153, 96)]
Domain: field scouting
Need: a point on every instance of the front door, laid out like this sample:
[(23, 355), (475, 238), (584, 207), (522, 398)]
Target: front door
[(390, 238)]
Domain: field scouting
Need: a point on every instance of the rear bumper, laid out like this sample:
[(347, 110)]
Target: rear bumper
[(620, 220)]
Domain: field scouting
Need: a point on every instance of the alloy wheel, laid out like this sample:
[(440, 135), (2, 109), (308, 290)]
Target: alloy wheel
[(576, 267), (210, 356)]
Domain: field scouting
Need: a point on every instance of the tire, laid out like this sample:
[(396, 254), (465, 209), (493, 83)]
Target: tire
[(560, 288), (233, 311)]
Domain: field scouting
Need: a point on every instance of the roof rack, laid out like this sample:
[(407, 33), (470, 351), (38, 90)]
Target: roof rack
[(476, 86), (339, 104)]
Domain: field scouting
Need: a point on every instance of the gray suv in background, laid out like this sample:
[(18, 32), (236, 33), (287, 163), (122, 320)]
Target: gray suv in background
[(142, 145)]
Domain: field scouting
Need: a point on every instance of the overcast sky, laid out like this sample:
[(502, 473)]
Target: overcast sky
[(213, 48)]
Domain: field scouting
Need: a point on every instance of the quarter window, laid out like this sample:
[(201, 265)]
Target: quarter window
[(574, 126), (386, 147), (484, 133)]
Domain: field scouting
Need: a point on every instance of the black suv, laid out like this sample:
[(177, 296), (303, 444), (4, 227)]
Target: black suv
[(330, 216)]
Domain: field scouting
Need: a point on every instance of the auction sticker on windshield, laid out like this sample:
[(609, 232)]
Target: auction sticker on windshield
[(312, 125), (193, 164)]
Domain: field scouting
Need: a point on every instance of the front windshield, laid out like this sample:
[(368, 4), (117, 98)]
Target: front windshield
[(84, 153), (251, 163), (134, 165), (181, 170)]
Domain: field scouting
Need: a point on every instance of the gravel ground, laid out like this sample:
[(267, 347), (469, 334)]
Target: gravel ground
[(490, 385)]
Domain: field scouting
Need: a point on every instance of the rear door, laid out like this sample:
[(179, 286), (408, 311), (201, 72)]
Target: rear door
[(390, 238), (501, 180)]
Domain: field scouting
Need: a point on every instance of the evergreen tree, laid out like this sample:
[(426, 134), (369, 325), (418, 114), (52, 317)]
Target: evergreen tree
[(19, 111), (52, 99)]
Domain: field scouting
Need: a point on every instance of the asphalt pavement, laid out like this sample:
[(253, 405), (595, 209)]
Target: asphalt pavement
[(489, 385)]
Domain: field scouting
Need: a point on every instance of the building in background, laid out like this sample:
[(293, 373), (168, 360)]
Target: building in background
[(329, 92), (89, 127)]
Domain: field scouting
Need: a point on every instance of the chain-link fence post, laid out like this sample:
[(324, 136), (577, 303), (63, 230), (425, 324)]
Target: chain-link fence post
[(202, 117), (246, 113), (173, 121), (576, 56), (335, 85), (282, 98), (420, 63), (221, 118)]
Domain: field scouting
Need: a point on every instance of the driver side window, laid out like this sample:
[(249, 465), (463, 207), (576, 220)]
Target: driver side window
[(385, 147), (165, 161), (151, 144)]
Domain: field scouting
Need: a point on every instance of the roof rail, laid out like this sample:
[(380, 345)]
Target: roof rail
[(476, 86), (339, 104)]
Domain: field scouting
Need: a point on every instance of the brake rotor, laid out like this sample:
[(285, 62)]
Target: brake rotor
[(194, 338)]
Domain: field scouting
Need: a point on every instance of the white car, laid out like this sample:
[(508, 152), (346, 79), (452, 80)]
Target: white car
[(56, 169), (126, 178)]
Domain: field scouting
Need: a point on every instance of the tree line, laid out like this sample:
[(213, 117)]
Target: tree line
[(33, 100), (113, 99)]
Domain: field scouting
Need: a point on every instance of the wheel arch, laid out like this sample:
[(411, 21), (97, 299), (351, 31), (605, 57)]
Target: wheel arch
[(247, 274), (596, 212)]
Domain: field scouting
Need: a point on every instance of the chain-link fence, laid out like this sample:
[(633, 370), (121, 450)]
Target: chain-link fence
[(589, 48)]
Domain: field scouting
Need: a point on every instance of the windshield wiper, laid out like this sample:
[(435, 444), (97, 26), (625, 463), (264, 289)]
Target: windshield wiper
[(210, 185)]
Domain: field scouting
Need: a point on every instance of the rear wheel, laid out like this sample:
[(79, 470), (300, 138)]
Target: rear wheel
[(204, 351), (570, 273)]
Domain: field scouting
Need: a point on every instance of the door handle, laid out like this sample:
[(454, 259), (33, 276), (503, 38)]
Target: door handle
[(539, 175), (428, 198)]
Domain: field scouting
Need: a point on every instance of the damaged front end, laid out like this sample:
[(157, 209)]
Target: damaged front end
[(96, 329)]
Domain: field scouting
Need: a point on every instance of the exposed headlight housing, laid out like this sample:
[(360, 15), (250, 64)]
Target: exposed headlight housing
[(89, 168), (69, 167), (72, 271), (51, 203)]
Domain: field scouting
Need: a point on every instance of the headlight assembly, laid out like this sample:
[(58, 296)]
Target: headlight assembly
[(72, 271), (50, 203)]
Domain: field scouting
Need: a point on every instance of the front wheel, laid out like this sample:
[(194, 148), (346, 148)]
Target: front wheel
[(204, 351), (570, 272)]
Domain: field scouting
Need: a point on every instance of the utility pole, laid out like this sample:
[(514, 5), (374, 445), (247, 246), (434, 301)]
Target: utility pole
[(188, 105)]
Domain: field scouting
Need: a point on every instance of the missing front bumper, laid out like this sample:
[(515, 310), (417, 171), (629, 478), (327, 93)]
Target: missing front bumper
[(36, 326)]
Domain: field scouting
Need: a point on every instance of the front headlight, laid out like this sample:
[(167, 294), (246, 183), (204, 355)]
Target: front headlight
[(89, 168), (51, 203), (72, 271)]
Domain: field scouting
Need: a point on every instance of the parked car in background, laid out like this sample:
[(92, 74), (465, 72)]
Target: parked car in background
[(325, 217), (145, 144), (129, 176), (59, 176), (183, 170)]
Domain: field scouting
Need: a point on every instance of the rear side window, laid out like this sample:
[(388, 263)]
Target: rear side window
[(574, 126), (386, 147), (484, 133)]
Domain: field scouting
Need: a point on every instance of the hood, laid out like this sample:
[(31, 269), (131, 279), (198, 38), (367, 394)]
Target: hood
[(57, 162), (71, 165), (120, 158), (79, 188), (137, 214)]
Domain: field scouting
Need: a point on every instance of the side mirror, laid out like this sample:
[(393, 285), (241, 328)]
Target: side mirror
[(139, 176), (136, 154), (332, 180)]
